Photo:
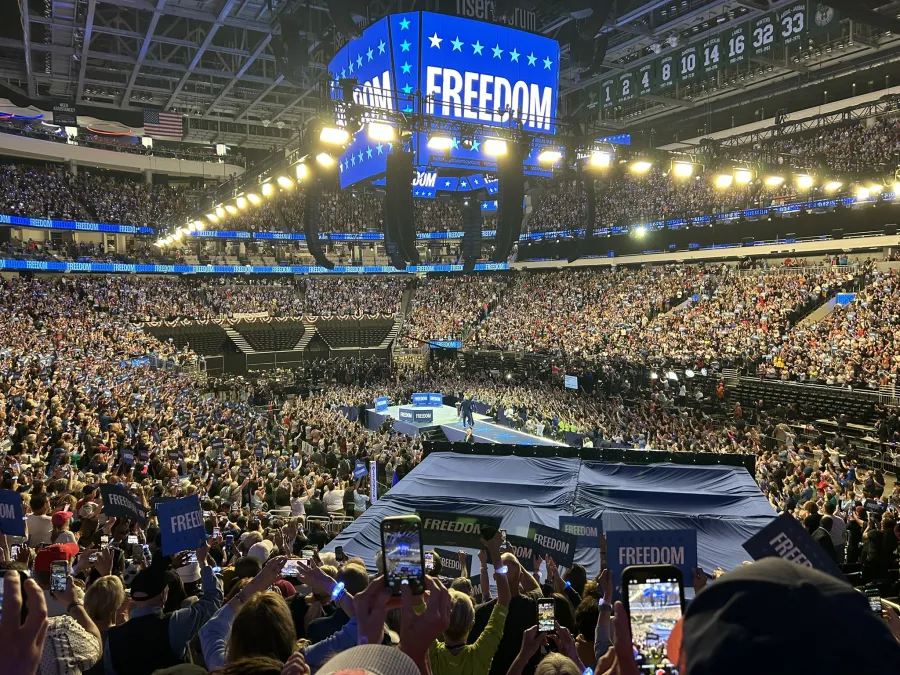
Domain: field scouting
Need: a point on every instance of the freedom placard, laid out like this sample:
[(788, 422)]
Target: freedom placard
[(381, 403), (587, 531), (11, 522), (785, 537), (548, 541), (454, 529), (181, 525), (117, 502), (523, 548), (450, 566), (651, 547), (359, 469), (476, 588)]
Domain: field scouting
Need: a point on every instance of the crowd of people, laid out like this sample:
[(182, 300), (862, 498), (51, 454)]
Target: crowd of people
[(345, 295)]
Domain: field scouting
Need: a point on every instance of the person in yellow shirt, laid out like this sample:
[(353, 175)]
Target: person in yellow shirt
[(453, 656)]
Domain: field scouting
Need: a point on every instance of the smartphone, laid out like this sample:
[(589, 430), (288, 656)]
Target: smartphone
[(339, 553), (132, 539), (58, 571), (874, 597), (307, 554), (291, 568), (429, 561), (404, 559), (654, 600), (546, 615), (192, 557), (104, 539), (93, 557), (217, 532), (206, 514), (13, 553)]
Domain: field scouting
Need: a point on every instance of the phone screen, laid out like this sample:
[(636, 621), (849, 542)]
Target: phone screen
[(132, 539), (13, 553), (291, 568), (104, 539), (874, 600), (546, 611), (217, 532), (429, 562), (58, 571), (654, 606), (307, 554), (401, 545), (339, 553)]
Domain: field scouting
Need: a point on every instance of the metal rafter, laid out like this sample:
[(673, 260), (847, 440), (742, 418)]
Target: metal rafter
[(239, 74), (258, 99), (195, 14), (83, 57), (145, 45), (26, 32), (207, 41)]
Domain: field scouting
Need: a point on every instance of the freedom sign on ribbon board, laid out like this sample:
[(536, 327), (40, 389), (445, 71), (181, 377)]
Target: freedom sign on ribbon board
[(450, 566), (181, 525), (654, 547), (786, 538), (548, 541), (11, 521), (117, 502), (381, 403), (454, 529), (586, 530)]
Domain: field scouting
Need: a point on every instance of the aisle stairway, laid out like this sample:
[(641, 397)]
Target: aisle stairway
[(238, 340), (308, 334)]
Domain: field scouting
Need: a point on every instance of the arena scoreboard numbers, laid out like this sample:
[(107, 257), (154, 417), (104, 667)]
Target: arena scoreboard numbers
[(787, 28), (449, 68)]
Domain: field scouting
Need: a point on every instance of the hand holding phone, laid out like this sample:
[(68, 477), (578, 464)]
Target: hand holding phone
[(654, 600), (401, 549), (546, 615), (59, 570)]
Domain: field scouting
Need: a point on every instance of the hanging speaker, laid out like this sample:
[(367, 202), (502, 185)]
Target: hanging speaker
[(398, 204), (511, 184), (311, 225), (471, 242)]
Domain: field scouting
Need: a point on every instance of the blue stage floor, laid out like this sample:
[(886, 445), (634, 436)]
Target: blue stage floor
[(486, 432)]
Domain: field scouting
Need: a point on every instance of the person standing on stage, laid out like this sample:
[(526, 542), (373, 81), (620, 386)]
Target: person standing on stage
[(467, 406)]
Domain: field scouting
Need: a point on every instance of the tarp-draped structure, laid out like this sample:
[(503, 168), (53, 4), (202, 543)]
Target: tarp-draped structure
[(723, 504)]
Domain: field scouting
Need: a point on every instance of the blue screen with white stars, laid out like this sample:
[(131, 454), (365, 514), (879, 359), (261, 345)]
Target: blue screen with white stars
[(470, 71)]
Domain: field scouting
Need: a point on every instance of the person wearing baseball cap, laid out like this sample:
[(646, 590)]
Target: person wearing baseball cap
[(45, 557), (126, 651), (60, 534)]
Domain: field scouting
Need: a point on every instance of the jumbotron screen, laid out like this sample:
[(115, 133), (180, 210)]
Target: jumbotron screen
[(466, 71)]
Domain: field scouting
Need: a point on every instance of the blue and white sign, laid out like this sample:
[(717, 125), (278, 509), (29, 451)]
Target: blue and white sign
[(373, 482), (435, 399), (416, 416), (428, 399), (785, 537), (11, 523), (586, 530), (571, 382), (181, 525), (381, 403), (651, 547), (359, 469)]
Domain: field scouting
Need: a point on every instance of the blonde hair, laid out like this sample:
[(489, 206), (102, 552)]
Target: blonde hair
[(556, 664), (462, 617), (104, 597)]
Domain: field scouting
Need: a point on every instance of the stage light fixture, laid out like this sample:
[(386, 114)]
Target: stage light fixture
[(334, 135), (324, 159), (241, 202), (191, 227), (494, 147), (253, 198), (466, 142), (549, 156), (640, 230), (774, 181), (178, 234), (231, 209), (833, 186), (804, 181), (640, 166), (600, 158), (724, 181), (267, 189), (440, 143), (199, 224), (301, 171), (683, 169), (285, 182), (875, 189), (743, 176), (896, 189), (212, 217), (381, 131), (220, 212), (862, 194)]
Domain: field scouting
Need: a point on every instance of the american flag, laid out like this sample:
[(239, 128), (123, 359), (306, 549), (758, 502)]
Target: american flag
[(163, 124)]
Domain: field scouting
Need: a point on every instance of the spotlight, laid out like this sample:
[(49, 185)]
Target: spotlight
[(724, 180), (253, 198), (267, 189), (641, 166), (743, 176), (199, 224), (230, 209), (640, 230), (220, 212), (241, 202), (324, 159), (804, 181), (862, 194), (896, 189), (380, 131), (334, 135), (440, 143), (466, 139), (833, 186), (191, 227), (601, 159), (285, 182), (494, 147), (549, 156), (875, 189), (300, 171), (774, 181), (683, 169), (212, 217)]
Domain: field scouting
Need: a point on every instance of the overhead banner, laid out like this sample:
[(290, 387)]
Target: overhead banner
[(181, 525), (548, 541), (787, 538), (12, 523), (119, 503), (586, 530), (652, 547), (450, 566), (454, 529), (64, 114)]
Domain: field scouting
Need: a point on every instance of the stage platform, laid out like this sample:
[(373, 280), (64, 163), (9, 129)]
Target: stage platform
[(488, 432)]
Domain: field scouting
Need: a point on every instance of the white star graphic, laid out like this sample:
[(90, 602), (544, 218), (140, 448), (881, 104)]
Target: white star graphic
[(475, 146), (369, 153), (446, 183), (359, 61), (457, 44), (477, 47), (436, 41), (404, 24), (369, 54), (464, 183), (547, 64), (497, 51), (379, 148), (381, 47), (514, 55), (531, 59), (350, 69)]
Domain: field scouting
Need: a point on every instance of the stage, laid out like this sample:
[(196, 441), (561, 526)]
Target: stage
[(445, 417)]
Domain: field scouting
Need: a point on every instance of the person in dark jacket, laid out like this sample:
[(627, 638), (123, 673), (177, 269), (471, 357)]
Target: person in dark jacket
[(822, 534)]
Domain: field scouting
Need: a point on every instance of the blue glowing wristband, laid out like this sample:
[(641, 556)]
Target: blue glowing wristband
[(337, 591)]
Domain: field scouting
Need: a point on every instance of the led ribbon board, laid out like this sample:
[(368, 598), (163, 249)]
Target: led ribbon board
[(465, 71)]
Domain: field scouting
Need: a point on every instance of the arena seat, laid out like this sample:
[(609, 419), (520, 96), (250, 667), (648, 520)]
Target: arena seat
[(207, 339), (340, 333), (271, 337)]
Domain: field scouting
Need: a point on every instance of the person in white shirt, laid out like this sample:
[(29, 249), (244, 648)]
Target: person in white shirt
[(333, 498), (40, 525)]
